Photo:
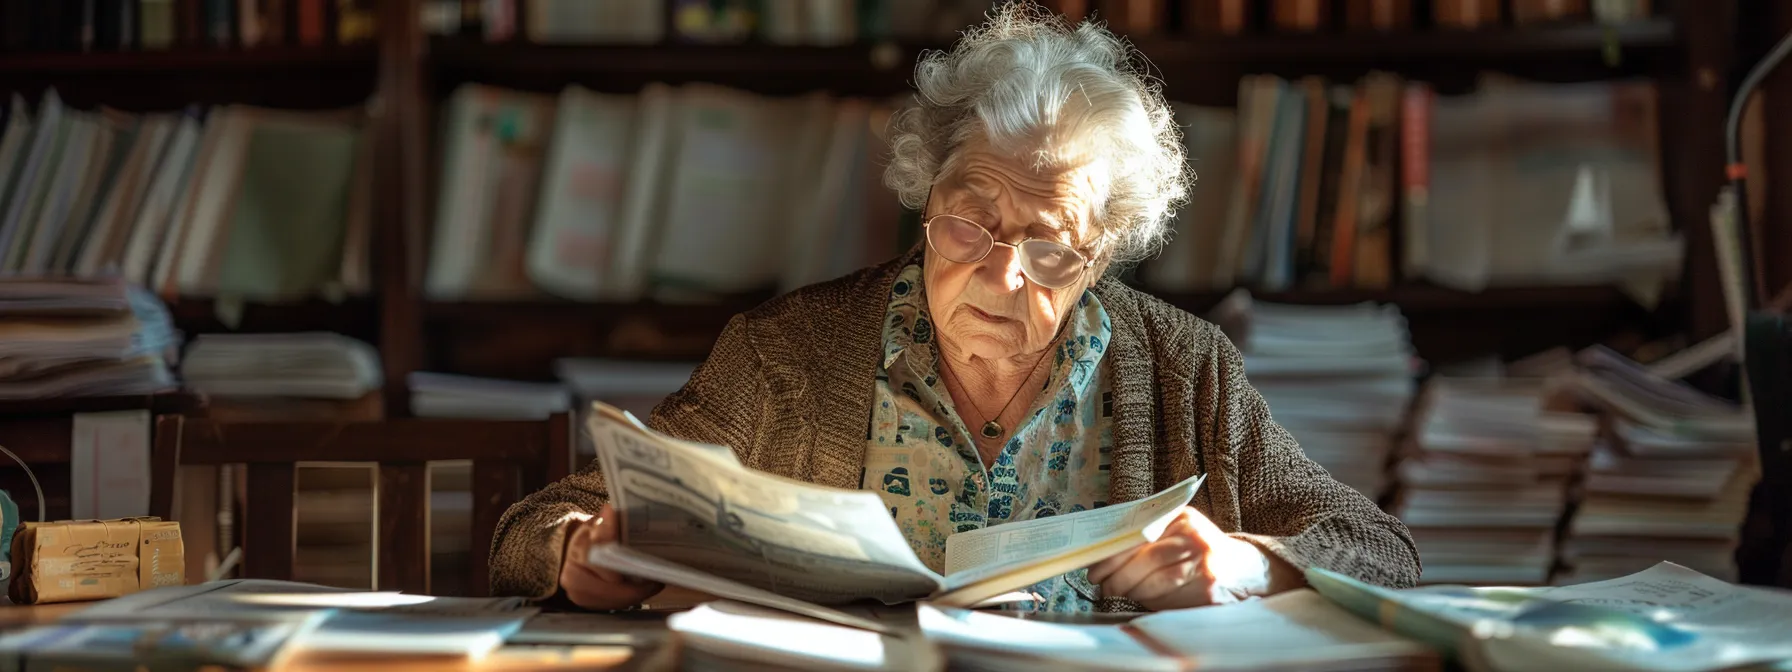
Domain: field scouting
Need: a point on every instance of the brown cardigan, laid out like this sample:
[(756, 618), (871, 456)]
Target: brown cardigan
[(789, 387)]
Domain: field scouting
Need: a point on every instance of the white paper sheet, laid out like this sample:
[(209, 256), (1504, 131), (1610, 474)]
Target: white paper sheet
[(109, 465)]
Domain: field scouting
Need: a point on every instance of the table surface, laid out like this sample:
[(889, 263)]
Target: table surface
[(637, 644), (510, 657)]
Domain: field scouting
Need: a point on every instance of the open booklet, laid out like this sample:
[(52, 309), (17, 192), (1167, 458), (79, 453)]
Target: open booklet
[(1665, 619), (692, 516)]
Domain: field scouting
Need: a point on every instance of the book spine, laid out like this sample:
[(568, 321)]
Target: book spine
[(190, 26), (1466, 14), (1136, 17), (1528, 12), (1216, 17), (83, 31), (220, 22), (441, 17), (1300, 16), (355, 21), (311, 30), (472, 20), (500, 20), (1378, 15), (1415, 178)]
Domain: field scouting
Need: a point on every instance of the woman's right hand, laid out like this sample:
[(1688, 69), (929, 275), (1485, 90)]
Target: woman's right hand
[(596, 588)]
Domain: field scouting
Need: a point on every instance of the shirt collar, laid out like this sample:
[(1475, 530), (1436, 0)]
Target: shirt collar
[(908, 328)]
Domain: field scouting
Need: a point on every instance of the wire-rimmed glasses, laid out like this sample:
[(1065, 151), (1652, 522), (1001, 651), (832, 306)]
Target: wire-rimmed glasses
[(1046, 262)]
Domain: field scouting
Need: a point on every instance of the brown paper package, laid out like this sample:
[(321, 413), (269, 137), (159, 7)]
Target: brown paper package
[(77, 560)]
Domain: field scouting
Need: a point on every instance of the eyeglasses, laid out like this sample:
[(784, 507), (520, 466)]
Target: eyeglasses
[(1047, 263)]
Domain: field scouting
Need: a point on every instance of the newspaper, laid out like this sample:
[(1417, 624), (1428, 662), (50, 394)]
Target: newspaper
[(692, 507), (1667, 618), (691, 513), (976, 553)]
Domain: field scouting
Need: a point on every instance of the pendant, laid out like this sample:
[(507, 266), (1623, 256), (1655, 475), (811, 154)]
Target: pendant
[(991, 430)]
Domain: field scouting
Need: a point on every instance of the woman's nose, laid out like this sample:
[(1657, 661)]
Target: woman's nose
[(1001, 269)]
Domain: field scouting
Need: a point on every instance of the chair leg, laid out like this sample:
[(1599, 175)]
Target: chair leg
[(495, 487), (165, 466), (270, 529)]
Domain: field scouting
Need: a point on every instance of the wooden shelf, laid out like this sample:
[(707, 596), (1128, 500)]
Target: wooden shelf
[(1194, 69), (357, 317), (172, 402), (521, 339), (770, 69), (1425, 298), (294, 78), (162, 62)]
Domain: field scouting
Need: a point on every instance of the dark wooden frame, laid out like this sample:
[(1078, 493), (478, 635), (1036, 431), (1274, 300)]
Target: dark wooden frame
[(510, 459)]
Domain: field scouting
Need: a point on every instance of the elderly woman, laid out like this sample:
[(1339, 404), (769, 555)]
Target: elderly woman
[(997, 369)]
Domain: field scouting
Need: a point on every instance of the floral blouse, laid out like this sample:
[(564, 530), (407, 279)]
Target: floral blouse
[(922, 462)]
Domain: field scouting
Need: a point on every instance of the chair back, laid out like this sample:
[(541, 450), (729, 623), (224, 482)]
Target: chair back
[(510, 458)]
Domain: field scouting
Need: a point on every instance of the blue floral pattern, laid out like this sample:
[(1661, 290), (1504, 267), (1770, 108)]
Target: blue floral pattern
[(1056, 462)]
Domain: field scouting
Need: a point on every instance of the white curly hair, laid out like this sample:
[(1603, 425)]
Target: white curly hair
[(1032, 85)]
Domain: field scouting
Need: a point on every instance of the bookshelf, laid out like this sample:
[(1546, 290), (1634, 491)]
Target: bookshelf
[(1690, 52)]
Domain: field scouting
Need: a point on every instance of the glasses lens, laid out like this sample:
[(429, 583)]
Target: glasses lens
[(958, 239), (1051, 264)]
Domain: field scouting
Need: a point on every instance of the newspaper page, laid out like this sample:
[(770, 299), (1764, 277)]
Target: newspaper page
[(979, 552), (689, 506), (1667, 618)]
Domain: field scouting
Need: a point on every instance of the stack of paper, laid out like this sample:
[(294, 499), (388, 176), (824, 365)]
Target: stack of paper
[(1338, 377), (72, 338), (442, 395), (315, 365), (1484, 482), (1672, 481)]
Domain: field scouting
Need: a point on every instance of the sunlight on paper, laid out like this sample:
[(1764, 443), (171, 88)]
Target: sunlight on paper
[(345, 600)]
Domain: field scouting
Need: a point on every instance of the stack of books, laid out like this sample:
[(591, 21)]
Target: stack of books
[(1671, 480), (1339, 378), (232, 201), (633, 386), (1484, 483), (316, 365), (77, 338), (444, 395)]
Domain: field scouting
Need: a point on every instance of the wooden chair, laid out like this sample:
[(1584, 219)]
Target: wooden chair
[(510, 458)]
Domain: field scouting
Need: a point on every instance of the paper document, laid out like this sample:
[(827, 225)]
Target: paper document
[(693, 516), (1667, 618), (109, 465), (978, 554), (705, 512)]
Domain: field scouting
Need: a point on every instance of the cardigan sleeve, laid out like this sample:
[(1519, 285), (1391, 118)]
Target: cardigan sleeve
[(529, 544), (1289, 505)]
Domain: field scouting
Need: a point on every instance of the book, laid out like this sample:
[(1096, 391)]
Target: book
[(691, 515)]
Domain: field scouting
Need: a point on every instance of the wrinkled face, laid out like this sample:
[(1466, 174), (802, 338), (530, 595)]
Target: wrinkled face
[(990, 309)]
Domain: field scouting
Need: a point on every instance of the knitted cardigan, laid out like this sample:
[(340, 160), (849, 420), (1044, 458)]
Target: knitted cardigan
[(789, 384)]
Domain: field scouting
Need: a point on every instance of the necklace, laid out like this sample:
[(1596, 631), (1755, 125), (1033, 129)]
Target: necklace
[(992, 428)]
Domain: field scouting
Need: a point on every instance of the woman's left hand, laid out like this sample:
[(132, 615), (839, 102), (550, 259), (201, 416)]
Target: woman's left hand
[(1193, 564)]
